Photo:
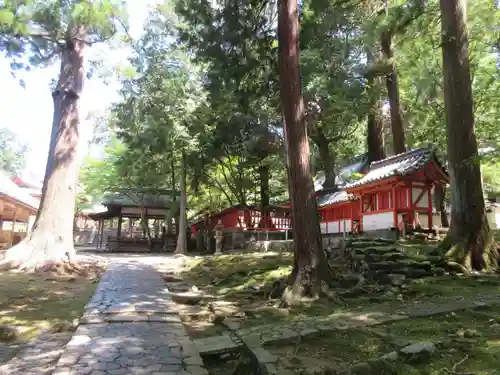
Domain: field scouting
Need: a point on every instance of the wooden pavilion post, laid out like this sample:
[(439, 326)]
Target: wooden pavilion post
[(119, 227), (13, 228), (101, 234)]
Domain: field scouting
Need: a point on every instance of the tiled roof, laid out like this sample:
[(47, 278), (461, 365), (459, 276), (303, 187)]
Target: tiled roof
[(398, 165), (10, 189), (334, 197)]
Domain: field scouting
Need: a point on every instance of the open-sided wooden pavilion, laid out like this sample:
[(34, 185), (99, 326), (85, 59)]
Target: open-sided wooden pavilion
[(131, 206), (17, 212)]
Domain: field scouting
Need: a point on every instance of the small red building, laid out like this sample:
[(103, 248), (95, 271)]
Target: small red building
[(243, 218), (395, 191), (338, 211)]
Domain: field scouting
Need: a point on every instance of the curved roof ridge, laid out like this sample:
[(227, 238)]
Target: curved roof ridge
[(392, 158)]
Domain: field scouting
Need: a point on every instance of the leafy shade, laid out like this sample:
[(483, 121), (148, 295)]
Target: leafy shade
[(35, 32)]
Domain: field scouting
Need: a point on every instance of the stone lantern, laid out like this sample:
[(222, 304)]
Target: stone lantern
[(218, 238)]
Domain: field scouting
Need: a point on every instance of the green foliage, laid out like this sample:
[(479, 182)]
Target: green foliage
[(12, 156), (204, 79), (491, 177), (34, 32)]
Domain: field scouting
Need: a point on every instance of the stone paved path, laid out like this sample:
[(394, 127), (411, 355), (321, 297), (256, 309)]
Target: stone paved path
[(38, 356), (130, 327)]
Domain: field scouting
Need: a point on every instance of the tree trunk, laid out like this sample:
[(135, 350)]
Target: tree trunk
[(327, 158), (439, 201), (469, 240), (51, 238), (375, 125), (310, 268), (265, 221), (145, 227), (174, 196), (391, 80), (182, 229)]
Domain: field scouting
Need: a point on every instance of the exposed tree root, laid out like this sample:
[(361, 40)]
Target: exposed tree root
[(472, 252), (458, 267), (293, 292), (31, 255)]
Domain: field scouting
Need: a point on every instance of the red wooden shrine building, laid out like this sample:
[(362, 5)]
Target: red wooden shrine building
[(394, 192), (242, 218)]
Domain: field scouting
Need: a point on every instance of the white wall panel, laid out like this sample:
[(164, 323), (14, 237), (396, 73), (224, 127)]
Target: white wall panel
[(383, 220)]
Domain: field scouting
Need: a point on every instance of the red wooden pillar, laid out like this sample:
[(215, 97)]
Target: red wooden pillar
[(411, 206), (429, 206), (361, 212), (394, 207)]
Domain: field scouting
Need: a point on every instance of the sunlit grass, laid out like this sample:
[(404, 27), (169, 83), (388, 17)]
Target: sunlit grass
[(35, 302)]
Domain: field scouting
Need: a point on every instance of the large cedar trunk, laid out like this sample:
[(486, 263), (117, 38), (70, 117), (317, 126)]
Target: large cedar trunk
[(391, 81), (170, 214), (375, 125), (310, 266), (51, 237), (439, 201), (145, 227), (265, 221), (469, 240), (327, 158), (182, 228)]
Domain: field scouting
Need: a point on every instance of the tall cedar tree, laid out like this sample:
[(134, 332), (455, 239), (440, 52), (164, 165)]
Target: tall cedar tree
[(469, 240), (310, 267), (375, 125), (53, 30), (181, 247), (391, 82)]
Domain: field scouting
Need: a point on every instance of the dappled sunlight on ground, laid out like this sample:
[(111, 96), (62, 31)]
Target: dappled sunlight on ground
[(244, 282), (43, 300)]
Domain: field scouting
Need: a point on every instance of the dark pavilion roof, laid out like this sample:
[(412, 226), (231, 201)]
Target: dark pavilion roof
[(131, 198), (403, 164), (338, 196)]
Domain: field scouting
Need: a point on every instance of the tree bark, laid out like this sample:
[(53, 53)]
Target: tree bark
[(392, 84), (310, 266), (265, 221), (51, 238), (469, 239), (375, 125), (145, 227), (327, 158), (182, 229), (170, 214), (439, 201)]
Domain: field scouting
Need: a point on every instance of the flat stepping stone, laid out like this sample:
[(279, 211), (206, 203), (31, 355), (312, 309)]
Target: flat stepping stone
[(190, 298), (216, 345)]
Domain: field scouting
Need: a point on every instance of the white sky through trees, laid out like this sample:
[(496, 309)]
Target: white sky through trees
[(28, 111)]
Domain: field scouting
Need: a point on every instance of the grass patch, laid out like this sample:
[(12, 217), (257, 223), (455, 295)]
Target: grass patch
[(452, 286), (333, 351), (39, 301), (470, 335), (468, 342), (230, 274)]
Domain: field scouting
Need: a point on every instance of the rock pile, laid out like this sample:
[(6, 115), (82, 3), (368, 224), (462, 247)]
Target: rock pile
[(382, 260)]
